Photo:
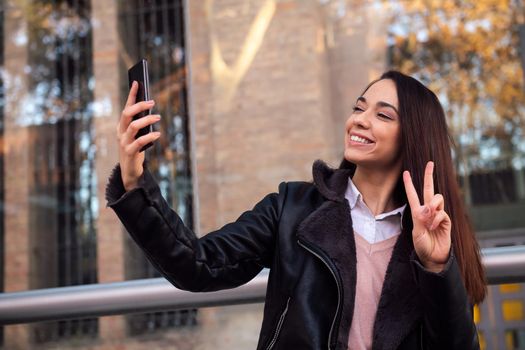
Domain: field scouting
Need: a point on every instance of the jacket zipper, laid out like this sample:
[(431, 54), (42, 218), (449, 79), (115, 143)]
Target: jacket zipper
[(279, 325), (338, 287)]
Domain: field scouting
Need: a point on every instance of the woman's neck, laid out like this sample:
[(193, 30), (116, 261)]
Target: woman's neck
[(377, 188)]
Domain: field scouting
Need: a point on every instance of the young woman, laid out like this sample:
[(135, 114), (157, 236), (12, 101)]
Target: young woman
[(376, 254)]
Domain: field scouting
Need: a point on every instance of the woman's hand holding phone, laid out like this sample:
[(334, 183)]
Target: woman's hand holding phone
[(130, 157)]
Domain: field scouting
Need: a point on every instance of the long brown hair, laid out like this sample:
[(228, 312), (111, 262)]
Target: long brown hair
[(425, 137)]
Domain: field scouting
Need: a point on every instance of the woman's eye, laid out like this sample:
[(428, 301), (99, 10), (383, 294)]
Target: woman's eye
[(384, 116), (357, 108)]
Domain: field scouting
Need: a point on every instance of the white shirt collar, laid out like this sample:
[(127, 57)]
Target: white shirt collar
[(353, 195)]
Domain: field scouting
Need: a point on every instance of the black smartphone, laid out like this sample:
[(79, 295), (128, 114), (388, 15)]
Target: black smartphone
[(139, 73)]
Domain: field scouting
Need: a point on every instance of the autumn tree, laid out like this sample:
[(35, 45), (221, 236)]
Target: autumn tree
[(468, 53)]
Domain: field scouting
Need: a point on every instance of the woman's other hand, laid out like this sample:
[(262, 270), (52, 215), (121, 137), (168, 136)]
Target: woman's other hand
[(130, 158), (432, 225)]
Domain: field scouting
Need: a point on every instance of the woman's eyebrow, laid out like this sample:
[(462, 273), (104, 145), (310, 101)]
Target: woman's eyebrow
[(380, 103)]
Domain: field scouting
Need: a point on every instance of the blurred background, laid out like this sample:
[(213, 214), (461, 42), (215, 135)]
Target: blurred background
[(251, 93)]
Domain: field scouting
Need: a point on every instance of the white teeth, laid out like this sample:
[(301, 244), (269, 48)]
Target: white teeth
[(359, 139)]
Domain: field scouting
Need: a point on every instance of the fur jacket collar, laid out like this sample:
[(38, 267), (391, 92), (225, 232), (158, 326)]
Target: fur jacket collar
[(329, 228)]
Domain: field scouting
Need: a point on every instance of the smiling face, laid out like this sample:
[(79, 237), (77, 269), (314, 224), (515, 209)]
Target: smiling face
[(373, 130)]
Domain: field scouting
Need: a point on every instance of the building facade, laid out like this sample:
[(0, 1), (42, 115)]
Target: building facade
[(250, 93)]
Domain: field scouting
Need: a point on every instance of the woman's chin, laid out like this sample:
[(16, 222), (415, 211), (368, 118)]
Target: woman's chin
[(365, 162), (350, 156)]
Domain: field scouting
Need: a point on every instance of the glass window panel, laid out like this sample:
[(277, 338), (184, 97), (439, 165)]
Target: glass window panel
[(55, 114)]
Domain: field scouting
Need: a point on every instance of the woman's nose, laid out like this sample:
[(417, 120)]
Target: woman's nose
[(361, 119)]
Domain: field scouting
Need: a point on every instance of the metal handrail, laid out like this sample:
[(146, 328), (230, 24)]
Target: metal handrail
[(502, 265)]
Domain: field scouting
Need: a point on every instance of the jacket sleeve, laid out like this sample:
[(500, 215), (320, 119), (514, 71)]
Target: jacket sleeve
[(225, 258), (448, 314)]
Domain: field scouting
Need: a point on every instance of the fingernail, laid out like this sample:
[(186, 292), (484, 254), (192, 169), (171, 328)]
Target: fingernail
[(150, 102), (426, 210)]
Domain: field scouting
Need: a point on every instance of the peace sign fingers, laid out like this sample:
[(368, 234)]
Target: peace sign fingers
[(428, 187), (431, 224)]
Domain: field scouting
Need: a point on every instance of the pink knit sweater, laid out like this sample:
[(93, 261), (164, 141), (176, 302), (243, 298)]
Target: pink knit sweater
[(372, 261)]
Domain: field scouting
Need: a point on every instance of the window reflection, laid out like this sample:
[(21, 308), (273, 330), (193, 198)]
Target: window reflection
[(61, 154)]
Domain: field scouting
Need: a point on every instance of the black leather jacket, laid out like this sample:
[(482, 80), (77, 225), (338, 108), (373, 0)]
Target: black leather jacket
[(304, 235)]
